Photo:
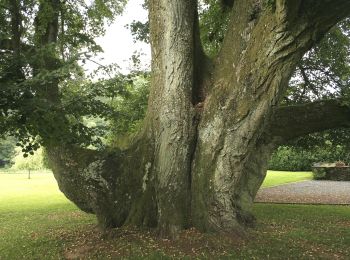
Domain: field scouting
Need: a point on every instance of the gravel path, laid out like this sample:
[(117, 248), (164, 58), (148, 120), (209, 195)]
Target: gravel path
[(307, 192)]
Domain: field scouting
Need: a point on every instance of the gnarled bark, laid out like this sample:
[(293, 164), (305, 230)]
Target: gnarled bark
[(258, 57), (209, 130), (293, 121)]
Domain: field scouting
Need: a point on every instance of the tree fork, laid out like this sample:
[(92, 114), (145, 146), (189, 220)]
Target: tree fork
[(203, 152)]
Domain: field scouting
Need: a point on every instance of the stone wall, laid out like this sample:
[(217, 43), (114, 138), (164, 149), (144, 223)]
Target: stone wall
[(331, 172)]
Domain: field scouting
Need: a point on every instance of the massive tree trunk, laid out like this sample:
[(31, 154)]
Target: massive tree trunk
[(211, 125)]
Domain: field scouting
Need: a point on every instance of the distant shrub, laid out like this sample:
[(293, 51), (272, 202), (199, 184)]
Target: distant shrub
[(287, 158)]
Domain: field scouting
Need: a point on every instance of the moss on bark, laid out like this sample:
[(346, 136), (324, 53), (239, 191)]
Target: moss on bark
[(200, 158)]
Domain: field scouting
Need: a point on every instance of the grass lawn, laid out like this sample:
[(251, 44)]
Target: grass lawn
[(38, 222), (32, 213), (274, 178)]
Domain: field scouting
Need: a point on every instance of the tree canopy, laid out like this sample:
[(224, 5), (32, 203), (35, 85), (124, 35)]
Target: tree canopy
[(323, 73), (43, 43)]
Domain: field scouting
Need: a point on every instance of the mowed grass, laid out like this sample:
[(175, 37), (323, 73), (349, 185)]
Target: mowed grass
[(18, 193), (32, 213), (274, 178), (38, 222)]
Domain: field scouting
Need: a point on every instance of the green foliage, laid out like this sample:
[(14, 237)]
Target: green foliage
[(34, 104), (140, 31), (300, 154), (286, 158), (330, 138), (31, 111), (324, 71), (289, 158), (7, 151), (32, 162), (213, 25), (130, 109)]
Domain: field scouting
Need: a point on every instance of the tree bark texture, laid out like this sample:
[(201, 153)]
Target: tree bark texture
[(209, 129)]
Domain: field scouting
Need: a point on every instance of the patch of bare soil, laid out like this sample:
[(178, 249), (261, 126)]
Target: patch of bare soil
[(127, 242), (318, 251), (77, 253)]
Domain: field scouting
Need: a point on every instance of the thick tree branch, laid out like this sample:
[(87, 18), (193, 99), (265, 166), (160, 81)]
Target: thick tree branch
[(324, 13), (289, 30), (290, 122)]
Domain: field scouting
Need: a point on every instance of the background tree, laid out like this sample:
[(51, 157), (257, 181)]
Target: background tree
[(44, 93), (212, 121), (131, 109), (34, 162), (7, 151)]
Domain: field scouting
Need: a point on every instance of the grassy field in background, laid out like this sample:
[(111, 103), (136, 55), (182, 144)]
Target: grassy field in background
[(18, 193), (32, 213), (38, 222), (274, 178)]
